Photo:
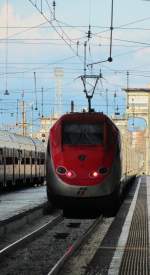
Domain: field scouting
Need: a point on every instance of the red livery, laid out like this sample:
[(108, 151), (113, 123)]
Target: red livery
[(84, 163)]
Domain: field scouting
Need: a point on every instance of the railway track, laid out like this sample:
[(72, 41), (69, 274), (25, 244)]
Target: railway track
[(17, 221), (29, 237), (46, 249)]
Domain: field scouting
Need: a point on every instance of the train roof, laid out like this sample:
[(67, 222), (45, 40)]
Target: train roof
[(80, 115), (12, 140), (91, 116), (41, 146)]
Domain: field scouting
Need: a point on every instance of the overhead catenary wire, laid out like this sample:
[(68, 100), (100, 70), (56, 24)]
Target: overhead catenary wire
[(53, 26), (40, 66)]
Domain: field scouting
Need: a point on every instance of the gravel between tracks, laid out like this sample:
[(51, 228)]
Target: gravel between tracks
[(38, 257), (79, 261), (14, 235)]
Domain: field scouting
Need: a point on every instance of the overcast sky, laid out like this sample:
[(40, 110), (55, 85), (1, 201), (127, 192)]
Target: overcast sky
[(30, 46)]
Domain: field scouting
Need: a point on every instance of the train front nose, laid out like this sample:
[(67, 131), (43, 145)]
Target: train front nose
[(81, 163)]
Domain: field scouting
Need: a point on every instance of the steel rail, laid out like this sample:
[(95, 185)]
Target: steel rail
[(29, 237), (72, 248)]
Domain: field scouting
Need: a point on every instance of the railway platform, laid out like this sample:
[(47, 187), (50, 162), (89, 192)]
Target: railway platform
[(17, 202), (125, 247)]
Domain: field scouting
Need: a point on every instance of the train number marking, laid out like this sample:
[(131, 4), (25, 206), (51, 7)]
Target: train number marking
[(82, 191)]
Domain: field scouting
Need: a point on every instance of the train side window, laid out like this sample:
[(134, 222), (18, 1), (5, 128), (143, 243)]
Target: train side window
[(16, 160), (27, 160), (33, 160), (9, 160), (23, 161), (42, 161), (42, 155), (1, 151)]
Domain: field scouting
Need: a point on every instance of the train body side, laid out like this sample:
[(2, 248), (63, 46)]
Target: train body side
[(22, 160)]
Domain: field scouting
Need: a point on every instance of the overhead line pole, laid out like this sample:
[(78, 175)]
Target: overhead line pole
[(111, 31), (109, 59)]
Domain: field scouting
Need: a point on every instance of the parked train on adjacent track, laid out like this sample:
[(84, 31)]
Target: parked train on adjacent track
[(22, 160), (88, 163)]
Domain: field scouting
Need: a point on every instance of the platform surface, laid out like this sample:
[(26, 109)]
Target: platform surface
[(16, 202), (125, 248)]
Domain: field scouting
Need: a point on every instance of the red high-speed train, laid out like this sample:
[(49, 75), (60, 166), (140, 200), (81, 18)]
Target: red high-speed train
[(84, 163)]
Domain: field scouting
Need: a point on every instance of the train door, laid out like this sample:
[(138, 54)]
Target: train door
[(28, 170), (37, 167), (40, 166), (1, 168), (43, 167), (4, 162), (29, 166), (23, 166), (21, 162), (9, 166), (13, 158), (33, 166), (16, 165)]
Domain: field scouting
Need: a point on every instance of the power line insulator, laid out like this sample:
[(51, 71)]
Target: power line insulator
[(110, 59), (6, 92), (89, 34), (54, 6)]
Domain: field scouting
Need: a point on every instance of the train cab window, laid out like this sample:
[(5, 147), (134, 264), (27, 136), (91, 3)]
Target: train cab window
[(83, 134)]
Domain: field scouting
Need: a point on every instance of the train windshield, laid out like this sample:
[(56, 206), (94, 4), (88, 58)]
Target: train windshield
[(83, 134)]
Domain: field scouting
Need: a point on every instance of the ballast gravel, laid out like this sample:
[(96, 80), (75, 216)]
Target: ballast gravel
[(39, 256)]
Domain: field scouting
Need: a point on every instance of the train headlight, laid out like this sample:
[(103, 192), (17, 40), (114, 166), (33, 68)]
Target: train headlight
[(70, 174), (94, 174), (61, 170)]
